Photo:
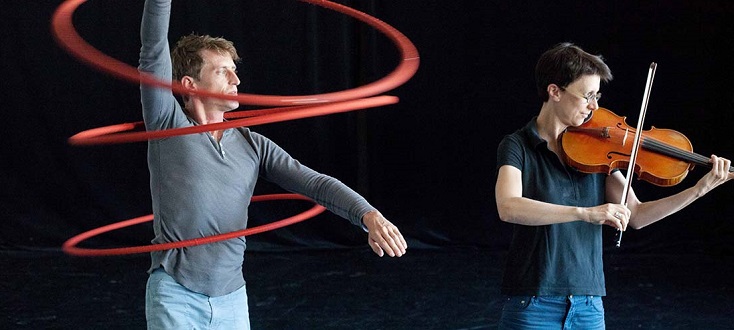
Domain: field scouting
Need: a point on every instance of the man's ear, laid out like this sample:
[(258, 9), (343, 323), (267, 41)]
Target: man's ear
[(188, 82)]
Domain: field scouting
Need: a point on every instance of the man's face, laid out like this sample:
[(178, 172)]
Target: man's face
[(218, 75)]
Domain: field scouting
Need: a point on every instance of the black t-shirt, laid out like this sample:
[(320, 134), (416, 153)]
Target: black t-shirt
[(558, 259)]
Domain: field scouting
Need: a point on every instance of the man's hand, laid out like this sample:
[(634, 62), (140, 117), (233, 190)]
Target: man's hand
[(383, 235)]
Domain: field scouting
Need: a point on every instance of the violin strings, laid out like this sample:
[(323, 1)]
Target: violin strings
[(673, 151)]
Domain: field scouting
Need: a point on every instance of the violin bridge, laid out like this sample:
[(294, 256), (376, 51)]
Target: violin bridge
[(624, 139)]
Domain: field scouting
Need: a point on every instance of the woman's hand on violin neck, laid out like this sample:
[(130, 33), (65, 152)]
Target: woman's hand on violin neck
[(615, 215), (719, 174)]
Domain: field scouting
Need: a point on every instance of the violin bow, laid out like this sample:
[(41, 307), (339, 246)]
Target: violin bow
[(636, 144)]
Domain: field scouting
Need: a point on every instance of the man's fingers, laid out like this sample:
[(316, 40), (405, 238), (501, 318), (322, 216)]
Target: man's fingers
[(376, 248)]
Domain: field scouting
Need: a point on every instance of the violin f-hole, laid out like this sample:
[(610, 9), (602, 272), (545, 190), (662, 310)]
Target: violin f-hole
[(611, 153)]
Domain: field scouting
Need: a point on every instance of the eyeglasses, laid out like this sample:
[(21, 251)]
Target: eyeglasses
[(588, 97)]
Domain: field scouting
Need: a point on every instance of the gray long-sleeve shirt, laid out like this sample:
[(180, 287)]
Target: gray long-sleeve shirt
[(202, 187)]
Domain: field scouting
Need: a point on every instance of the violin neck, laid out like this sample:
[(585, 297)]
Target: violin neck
[(677, 153)]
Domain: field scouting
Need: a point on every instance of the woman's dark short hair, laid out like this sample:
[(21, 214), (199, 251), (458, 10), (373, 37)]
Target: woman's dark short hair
[(563, 64)]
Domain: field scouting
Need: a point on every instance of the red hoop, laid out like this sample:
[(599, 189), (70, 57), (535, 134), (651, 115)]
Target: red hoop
[(65, 34), (294, 107), (70, 246), (122, 133)]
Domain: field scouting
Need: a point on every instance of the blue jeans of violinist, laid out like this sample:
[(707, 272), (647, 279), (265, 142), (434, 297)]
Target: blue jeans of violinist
[(552, 312)]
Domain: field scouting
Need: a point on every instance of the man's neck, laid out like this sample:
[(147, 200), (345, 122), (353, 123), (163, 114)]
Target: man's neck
[(203, 117)]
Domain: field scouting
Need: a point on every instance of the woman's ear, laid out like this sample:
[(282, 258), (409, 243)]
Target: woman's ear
[(554, 92)]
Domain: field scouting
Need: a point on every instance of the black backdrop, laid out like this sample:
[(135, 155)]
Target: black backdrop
[(427, 162)]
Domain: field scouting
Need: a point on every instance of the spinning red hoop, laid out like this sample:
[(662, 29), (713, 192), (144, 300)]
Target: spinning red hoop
[(290, 107)]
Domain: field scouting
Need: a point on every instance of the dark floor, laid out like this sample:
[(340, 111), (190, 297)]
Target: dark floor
[(456, 288)]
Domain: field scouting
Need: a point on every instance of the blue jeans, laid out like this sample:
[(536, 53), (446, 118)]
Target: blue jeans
[(169, 305), (552, 312)]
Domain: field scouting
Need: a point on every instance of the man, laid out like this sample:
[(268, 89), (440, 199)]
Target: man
[(201, 184), (554, 277)]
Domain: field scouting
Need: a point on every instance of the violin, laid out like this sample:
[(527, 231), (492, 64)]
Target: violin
[(604, 143)]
